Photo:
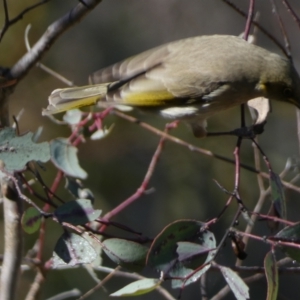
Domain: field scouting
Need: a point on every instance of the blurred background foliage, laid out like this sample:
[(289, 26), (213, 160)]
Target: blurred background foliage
[(183, 180)]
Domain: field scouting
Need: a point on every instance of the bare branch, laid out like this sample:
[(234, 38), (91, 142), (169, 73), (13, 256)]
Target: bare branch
[(13, 241), (42, 66), (283, 31), (292, 12), (8, 23), (249, 19), (261, 28), (66, 295), (52, 33), (5, 11), (143, 187)]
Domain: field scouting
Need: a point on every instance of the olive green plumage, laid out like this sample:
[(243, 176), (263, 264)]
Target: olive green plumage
[(189, 79)]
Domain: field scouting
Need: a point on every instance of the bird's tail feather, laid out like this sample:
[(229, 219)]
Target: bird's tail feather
[(62, 100)]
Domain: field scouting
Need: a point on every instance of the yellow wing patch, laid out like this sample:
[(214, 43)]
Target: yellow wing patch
[(153, 98), (69, 104)]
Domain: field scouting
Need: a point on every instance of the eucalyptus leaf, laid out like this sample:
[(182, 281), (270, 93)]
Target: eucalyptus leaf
[(31, 220), (72, 249), (64, 157), (126, 253), (17, 151), (137, 288), (236, 283), (291, 234), (271, 271), (77, 212)]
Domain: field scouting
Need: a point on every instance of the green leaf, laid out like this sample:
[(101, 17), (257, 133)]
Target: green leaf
[(181, 271), (164, 251), (97, 246), (138, 287), (17, 151), (194, 256), (71, 249), (236, 283), (31, 220), (271, 271), (180, 248), (162, 254), (128, 254), (64, 157), (77, 212), (76, 188), (278, 197), (189, 250), (291, 234)]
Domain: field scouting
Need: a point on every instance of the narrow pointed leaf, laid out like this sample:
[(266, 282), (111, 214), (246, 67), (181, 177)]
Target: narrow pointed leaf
[(278, 197), (183, 272), (271, 271), (236, 283), (137, 288)]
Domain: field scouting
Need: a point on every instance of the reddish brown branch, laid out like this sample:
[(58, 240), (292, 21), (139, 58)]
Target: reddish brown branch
[(260, 27)]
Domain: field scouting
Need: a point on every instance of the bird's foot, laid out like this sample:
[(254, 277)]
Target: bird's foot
[(249, 132)]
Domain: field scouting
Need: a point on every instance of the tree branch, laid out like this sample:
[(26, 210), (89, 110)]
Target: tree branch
[(12, 241), (20, 69), (12, 203), (8, 22)]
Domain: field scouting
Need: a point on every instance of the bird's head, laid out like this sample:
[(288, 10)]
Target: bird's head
[(280, 81)]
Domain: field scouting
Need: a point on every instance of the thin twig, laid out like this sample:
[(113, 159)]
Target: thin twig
[(179, 141), (35, 286), (66, 295), (136, 276), (191, 147), (249, 19), (282, 28), (100, 284), (298, 127), (261, 28), (292, 12), (53, 32), (226, 289), (143, 187), (42, 66), (6, 14), (8, 22)]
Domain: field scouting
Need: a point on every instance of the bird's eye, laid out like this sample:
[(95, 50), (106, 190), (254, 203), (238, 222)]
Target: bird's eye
[(287, 92)]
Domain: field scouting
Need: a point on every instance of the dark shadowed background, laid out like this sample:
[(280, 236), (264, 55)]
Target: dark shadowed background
[(183, 180)]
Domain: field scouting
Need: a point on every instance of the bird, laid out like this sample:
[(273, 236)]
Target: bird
[(187, 80)]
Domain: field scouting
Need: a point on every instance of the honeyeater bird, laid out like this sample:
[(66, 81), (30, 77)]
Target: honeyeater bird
[(189, 79)]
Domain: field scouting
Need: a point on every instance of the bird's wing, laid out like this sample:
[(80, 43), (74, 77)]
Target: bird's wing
[(165, 75)]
